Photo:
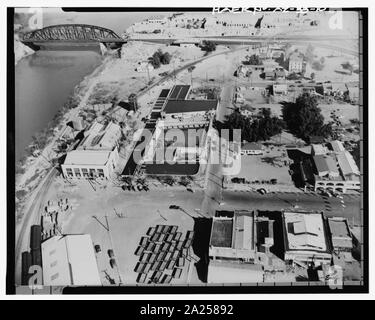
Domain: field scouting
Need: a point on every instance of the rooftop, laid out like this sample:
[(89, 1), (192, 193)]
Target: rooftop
[(347, 164), (179, 92), (221, 234), (337, 146), (251, 146), (220, 271), (305, 231), (101, 137), (180, 106), (69, 260), (325, 164), (87, 157), (340, 232)]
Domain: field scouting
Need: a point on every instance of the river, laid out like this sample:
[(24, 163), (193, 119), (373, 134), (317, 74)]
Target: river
[(45, 79)]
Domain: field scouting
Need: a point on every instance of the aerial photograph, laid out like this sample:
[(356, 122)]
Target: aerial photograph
[(187, 148)]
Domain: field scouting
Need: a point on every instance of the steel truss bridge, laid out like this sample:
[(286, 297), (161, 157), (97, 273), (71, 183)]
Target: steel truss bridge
[(71, 33)]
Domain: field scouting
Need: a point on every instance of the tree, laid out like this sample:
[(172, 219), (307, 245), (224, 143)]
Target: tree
[(133, 101), (304, 119), (159, 57), (165, 58), (347, 66), (252, 130), (154, 60), (208, 46), (253, 60)]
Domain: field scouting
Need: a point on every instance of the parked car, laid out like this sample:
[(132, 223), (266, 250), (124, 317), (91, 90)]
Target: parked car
[(173, 206), (97, 248), (113, 263), (190, 190), (110, 253), (262, 191)]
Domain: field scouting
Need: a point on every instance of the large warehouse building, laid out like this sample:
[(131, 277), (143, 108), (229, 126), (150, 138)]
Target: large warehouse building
[(69, 260), (97, 154)]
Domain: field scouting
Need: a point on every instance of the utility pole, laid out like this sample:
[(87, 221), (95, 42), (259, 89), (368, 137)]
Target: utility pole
[(111, 242), (148, 75)]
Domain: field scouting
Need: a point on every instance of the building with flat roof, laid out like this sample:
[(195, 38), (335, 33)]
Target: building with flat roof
[(90, 164), (280, 89), (96, 156), (295, 62), (237, 237), (340, 234), (251, 148), (188, 106), (332, 168), (220, 271), (70, 260), (326, 166), (305, 238)]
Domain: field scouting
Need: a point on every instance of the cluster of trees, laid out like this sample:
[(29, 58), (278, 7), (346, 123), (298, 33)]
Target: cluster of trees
[(253, 60), (261, 128), (208, 46), (304, 119), (282, 61), (159, 58), (347, 66)]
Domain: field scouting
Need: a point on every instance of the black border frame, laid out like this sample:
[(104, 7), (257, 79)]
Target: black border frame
[(209, 289)]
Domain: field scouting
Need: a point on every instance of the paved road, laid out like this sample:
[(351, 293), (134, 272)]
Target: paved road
[(297, 201), (300, 39), (214, 172)]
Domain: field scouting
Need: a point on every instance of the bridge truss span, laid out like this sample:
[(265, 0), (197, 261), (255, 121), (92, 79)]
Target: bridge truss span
[(72, 32)]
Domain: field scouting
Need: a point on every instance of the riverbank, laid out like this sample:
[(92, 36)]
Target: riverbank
[(20, 50), (113, 79), (39, 155)]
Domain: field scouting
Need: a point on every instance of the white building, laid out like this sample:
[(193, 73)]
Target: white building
[(336, 170), (251, 148), (97, 154), (295, 63), (90, 164), (305, 238), (70, 260)]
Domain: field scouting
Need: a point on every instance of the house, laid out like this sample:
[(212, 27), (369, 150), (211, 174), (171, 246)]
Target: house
[(280, 74), (337, 146), (251, 148), (326, 166), (353, 92), (280, 89), (305, 239), (318, 149), (70, 260), (295, 63), (269, 75)]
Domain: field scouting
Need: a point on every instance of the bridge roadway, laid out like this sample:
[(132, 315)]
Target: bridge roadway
[(319, 41)]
